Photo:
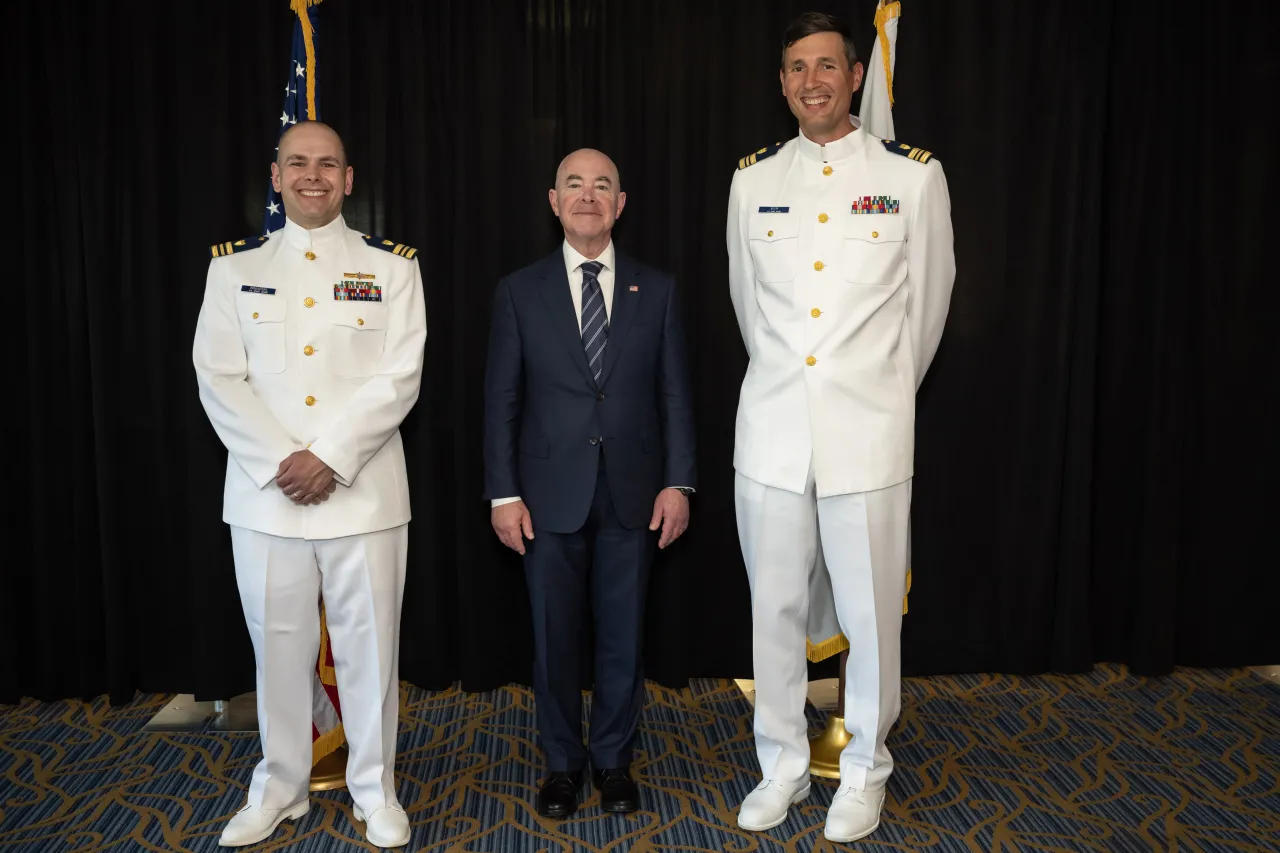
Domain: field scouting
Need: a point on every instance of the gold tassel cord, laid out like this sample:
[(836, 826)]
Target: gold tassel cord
[(308, 40), (884, 14)]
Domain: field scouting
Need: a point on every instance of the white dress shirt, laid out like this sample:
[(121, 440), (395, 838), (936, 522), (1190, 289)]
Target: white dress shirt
[(573, 261)]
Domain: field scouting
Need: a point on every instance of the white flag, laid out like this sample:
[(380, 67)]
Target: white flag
[(876, 113)]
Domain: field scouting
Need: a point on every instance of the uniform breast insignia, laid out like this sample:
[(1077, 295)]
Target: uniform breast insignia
[(406, 252), (221, 250), (875, 204), (249, 288), (756, 156), (357, 287), (902, 149), (775, 209)]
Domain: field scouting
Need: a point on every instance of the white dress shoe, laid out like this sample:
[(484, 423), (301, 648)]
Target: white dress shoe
[(252, 824), (386, 827), (854, 814), (766, 806)]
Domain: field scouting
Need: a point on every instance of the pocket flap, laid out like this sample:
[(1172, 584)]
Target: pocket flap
[(363, 317), (773, 226), (875, 227), (261, 309)]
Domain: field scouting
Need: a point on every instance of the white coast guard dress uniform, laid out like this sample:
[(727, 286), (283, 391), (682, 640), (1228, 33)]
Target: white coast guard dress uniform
[(840, 270), (315, 339)]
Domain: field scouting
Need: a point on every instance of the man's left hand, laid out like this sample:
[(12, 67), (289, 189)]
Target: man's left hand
[(671, 510), (304, 478)]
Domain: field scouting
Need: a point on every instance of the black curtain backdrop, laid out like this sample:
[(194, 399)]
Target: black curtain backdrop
[(1094, 475)]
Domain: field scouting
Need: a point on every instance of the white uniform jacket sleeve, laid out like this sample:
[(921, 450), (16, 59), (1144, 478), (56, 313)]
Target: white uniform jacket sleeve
[(931, 267), (742, 271), (248, 429), (374, 412)]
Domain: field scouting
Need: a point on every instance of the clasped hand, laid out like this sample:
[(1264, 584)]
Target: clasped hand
[(305, 479)]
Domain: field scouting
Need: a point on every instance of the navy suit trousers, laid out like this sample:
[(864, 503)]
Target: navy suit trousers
[(606, 566)]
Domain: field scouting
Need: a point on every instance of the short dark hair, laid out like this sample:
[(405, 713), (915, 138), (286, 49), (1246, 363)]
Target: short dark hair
[(811, 23)]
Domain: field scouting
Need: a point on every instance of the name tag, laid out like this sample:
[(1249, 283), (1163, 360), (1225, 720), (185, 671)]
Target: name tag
[(249, 288), (775, 210)]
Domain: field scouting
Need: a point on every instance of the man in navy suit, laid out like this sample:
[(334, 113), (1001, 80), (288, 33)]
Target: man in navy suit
[(589, 451)]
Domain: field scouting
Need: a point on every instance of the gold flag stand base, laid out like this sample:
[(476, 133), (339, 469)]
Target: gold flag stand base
[(825, 747), (330, 772)]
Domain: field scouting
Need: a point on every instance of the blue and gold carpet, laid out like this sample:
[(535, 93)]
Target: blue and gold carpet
[(1103, 762)]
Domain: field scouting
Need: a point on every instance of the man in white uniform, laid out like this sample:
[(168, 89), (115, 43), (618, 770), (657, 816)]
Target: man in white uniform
[(840, 270), (308, 352)]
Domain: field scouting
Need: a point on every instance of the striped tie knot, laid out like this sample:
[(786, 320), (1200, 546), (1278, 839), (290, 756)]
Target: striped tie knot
[(592, 268)]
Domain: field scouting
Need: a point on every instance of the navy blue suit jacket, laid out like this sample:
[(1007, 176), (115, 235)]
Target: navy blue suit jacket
[(545, 418)]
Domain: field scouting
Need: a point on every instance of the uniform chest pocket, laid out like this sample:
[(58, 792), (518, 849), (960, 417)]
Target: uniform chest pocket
[(356, 339), (774, 239), (262, 331), (874, 248)]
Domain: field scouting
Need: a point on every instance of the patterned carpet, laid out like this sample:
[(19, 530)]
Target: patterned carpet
[(1104, 762)]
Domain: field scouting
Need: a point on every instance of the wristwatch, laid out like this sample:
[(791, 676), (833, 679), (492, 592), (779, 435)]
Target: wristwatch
[(684, 490)]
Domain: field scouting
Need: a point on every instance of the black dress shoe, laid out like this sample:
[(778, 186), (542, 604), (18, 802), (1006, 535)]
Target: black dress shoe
[(559, 794), (618, 792)]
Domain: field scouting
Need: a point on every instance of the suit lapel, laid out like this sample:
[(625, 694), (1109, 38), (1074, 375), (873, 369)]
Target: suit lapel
[(626, 302), (554, 290)]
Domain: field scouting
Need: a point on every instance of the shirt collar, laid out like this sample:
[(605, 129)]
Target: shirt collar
[(306, 238), (574, 259), (845, 146)]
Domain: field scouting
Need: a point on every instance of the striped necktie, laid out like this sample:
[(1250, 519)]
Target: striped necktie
[(595, 320)]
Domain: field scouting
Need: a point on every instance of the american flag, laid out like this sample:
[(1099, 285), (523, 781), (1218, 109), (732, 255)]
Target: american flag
[(301, 94), (302, 103)]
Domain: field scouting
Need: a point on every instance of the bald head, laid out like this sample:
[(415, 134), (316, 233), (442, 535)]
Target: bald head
[(311, 130), (588, 160)]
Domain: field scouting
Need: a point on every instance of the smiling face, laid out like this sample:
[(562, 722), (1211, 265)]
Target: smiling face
[(819, 85), (311, 174), (587, 198)]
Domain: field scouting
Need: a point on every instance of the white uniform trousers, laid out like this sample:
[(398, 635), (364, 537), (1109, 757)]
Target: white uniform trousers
[(280, 582), (863, 537)]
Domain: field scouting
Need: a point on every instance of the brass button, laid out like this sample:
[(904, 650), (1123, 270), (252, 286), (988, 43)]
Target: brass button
[(817, 265), (770, 234), (311, 256), (826, 170), (308, 350), (875, 233), (310, 401), (811, 361), (815, 313), (822, 217), (255, 315), (309, 302), (360, 321)]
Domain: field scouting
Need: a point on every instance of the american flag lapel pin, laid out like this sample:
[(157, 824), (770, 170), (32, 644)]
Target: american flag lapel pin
[(635, 288)]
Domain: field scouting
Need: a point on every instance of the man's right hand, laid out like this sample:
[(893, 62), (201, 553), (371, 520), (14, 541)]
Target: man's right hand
[(512, 524)]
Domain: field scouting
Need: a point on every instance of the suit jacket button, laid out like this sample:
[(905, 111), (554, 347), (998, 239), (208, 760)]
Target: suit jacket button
[(594, 440), (599, 395)]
